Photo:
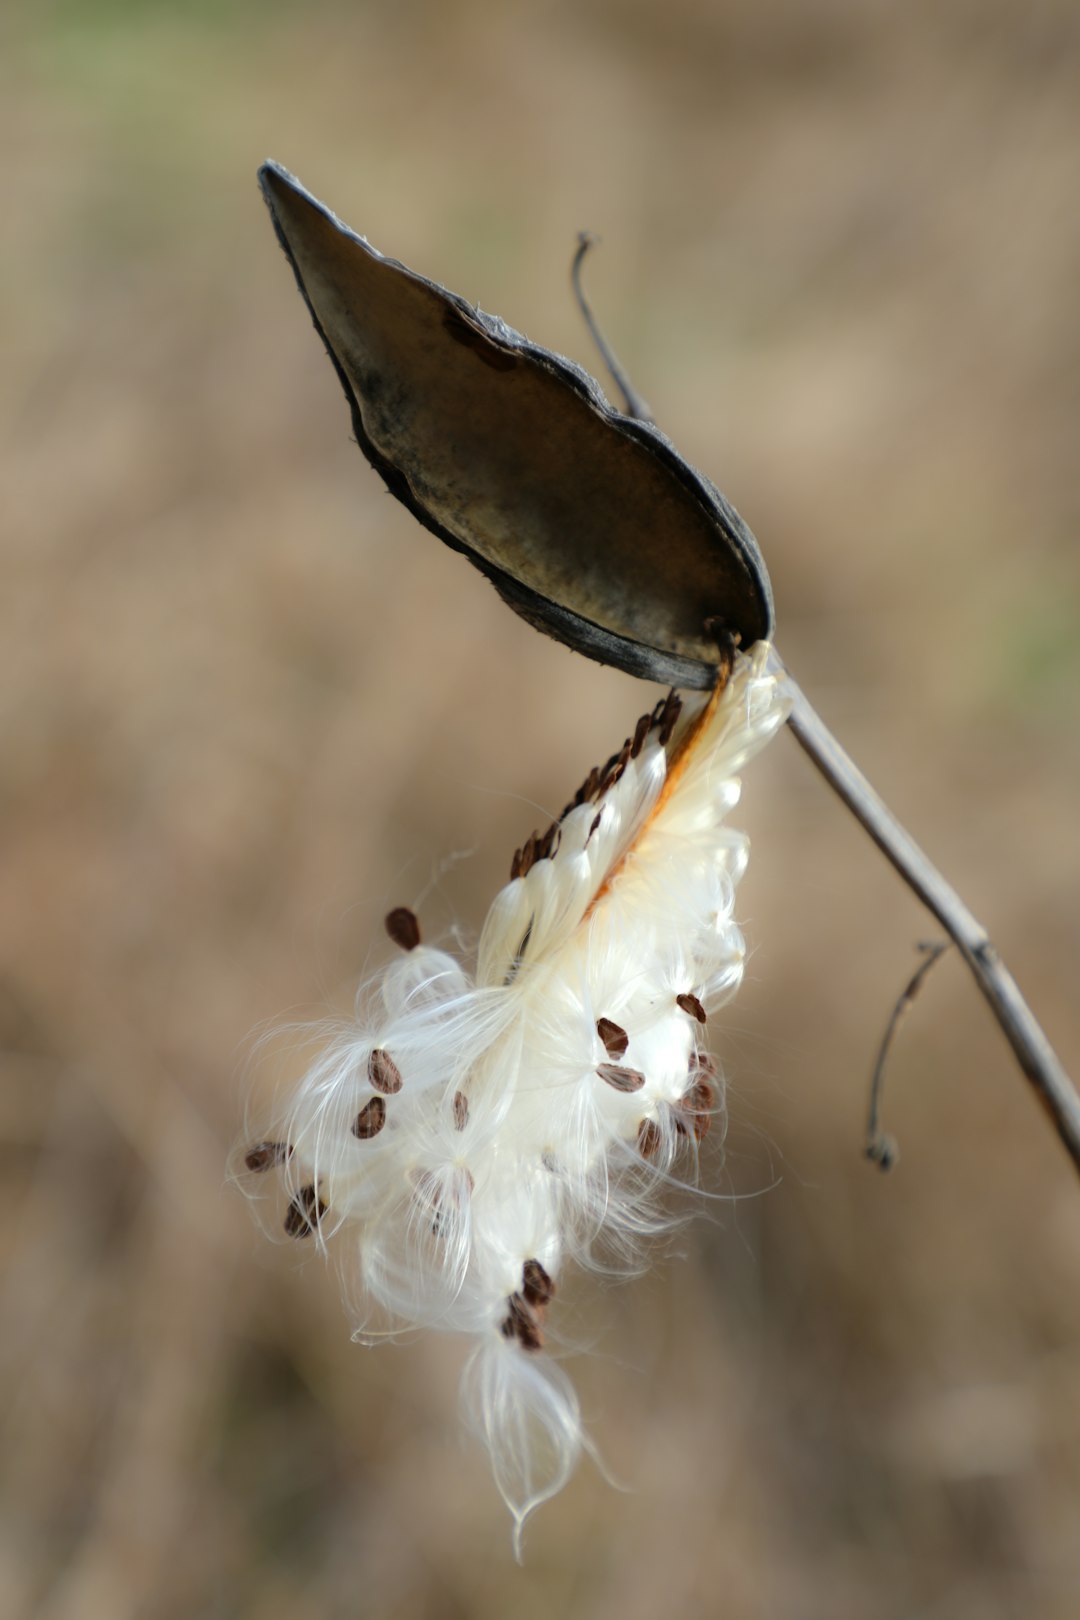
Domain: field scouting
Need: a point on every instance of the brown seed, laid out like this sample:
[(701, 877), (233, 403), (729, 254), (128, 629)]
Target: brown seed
[(594, 825), (383, 1072), (690, 1004), (403, 928), (548, 842), (641, 731), (370, 1120), (614, 1037), (622, 1079), (695, 1110), (265, 1155), (648, 1139), (461, 1110), (670, 718), (537, 1287), (303, 1214), (522, 1324), (701, 1095)]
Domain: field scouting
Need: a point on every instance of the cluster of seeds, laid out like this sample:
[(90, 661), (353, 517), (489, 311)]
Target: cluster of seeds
[(600, 780), (470, 1134)]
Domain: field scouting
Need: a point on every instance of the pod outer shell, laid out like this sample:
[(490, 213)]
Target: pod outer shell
[(589, 523)]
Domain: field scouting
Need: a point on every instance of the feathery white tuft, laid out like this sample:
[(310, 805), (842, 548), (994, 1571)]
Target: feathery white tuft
[(468, 1136)]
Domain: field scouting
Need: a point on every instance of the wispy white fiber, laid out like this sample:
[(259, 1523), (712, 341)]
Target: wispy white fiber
[(466, 1136)]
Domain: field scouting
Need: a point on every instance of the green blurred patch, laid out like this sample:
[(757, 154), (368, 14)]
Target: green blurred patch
[(1040, 669), (104, 16)]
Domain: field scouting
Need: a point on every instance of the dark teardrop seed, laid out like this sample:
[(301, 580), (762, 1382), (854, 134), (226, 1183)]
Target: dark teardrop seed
[(690, 1004), (383, 1072), (648, 1139), (370, 1120), (622, 1079), (403, 928), (537, 1288), (614, 1037), (304, 1213), (522, 1324), (265, 1155)]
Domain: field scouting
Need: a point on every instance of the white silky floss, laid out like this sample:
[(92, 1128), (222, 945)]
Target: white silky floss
[(467, 1136)]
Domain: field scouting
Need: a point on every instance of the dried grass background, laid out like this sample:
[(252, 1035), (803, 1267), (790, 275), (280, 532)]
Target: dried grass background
[(247, 705)]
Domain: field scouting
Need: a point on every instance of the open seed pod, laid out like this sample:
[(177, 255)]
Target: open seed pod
[(588, 522)]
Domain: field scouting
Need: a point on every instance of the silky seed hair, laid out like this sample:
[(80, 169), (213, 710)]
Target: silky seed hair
[(472, 1133)]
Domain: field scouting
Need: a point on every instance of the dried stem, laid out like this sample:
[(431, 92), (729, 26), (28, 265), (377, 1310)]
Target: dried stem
[(881, 1148), (635, 405), (1036, 1056)]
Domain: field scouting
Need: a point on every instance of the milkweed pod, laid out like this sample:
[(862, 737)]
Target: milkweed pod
[(589, 523)]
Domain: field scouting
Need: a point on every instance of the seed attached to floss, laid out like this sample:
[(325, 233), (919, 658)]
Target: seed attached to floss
[(669, 719), (694, 1113), (461, 1110), (404, 929), (614, 1037), (690, 1004), (383, 1073), (522, 1324), (537, 1287), (304, 1213), (370, 1120), (265, 1156), (622, 1079), (649, 1139)]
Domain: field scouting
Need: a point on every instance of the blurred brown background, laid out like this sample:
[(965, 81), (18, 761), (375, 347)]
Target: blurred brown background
[(247, 705)]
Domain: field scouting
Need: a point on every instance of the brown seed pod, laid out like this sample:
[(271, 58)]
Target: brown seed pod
[(403, 927), (589, 523), (383, 1072)]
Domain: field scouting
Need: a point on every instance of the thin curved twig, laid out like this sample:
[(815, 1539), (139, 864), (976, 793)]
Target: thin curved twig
[(635, 405), (881, 1147), (1037, 1058)]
